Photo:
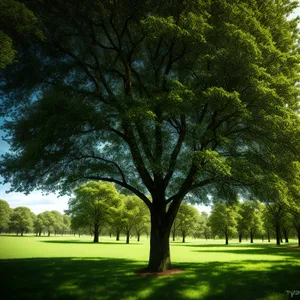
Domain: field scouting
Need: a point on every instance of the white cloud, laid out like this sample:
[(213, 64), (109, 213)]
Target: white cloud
[(36, 201)]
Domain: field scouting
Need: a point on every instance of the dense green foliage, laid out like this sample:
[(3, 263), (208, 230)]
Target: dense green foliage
[(17, 24), (21, 219), (92, 204), (224, 219), (5, 212)]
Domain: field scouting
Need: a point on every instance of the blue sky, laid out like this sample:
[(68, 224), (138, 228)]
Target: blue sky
[(38, 202)]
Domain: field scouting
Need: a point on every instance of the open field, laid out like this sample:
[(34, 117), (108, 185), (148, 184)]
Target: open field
[(74, 268)]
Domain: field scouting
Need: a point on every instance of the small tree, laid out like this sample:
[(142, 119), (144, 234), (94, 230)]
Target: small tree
[(116, 221), (251, 218), (91, 205), (21, 219), (187, 218), (224, 219), (130, 215), (39, 224)]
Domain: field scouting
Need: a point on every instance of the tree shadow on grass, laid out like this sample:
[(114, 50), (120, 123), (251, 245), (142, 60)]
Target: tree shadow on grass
[(251, 250), (90, 243), (113, 279)]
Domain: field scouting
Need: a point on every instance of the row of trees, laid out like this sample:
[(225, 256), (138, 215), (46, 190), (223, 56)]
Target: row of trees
[(254, 219), (98, 207), (21, 220)]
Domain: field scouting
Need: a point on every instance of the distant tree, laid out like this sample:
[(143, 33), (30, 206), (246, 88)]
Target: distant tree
[(49, 221), (286, 224), (116, 221), (205, 225), (275, 213), (21, 219), (91, 205), (58, 221), (251, 218), (187, 218), (5, 212), (224, 219), (39, 224), (141, 220), (130, 215), (66, 224)]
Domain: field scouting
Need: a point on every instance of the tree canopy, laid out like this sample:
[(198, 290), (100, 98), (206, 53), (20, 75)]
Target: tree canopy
[(162, 98), (91, 205)]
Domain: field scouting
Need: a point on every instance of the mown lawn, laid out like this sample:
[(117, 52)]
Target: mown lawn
[(75, 268)]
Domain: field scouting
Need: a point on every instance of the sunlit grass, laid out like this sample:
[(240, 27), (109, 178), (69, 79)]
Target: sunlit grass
[(74, 268)]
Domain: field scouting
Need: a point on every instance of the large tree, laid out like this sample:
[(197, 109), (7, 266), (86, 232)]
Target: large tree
[(91, 205), (167, 98)]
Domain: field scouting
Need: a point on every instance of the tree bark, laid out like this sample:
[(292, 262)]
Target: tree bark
[(159, 258), (127, 237), (251, 238), (173, 235), (22, 231), (183, 237), (240, 237), (286, 235), (118, 235), (269, 237), (226, 239), (277, 230), (138, 237), (96, 233), (49, 233)]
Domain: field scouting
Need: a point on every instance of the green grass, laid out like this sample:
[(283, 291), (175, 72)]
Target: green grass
[(75, 268)]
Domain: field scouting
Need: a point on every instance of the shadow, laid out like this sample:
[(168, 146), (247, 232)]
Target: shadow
[(90, 243), (113, 279), (249, 249)]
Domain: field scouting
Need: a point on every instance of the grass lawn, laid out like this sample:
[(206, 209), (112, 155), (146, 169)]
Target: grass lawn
[(74, 268)]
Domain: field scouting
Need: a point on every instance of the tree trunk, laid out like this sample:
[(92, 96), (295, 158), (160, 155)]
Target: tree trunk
[(127, 237), (183, 237), (138, 237), (251, 238), (159, 258), (173, 235), (110, 234), (269, 237), (286, 235), (48, 233), (118, 236), (22, 231), (298, 231), (277, 229), (96, 233), (240, 237), (226, 239)]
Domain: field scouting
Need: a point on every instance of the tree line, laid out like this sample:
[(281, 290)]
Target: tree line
[(97, 207), (22, 220)]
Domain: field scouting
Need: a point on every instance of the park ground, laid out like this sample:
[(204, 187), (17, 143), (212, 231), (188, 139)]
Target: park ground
[(75, 268)]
